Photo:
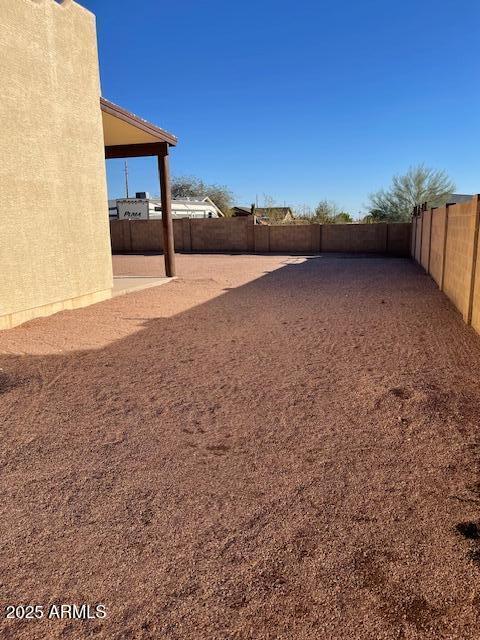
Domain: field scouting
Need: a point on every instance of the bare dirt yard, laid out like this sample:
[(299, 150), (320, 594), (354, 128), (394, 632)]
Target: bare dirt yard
[(268, 447)]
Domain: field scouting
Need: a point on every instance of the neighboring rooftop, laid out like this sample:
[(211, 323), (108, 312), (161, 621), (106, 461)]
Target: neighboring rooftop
[(273, 214)]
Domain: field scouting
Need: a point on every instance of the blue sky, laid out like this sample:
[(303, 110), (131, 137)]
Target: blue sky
[(301, 101)]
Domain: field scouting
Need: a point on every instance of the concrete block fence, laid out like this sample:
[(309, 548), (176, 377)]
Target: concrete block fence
[(241, 235), (444, 242)]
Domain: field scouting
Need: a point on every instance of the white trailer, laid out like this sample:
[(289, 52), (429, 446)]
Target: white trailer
[(151, 209)]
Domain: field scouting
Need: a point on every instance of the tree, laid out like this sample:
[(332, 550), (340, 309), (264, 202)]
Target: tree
[(192, 187), (325, 212), (343, 218), (420, 184)]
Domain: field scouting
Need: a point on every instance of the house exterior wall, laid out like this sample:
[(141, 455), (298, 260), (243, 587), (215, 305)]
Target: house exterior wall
[(54, 240)]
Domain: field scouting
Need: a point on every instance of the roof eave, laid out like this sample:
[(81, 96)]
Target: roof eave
[(118, 112)]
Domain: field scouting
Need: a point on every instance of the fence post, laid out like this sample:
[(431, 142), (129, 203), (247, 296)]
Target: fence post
[(473, 267), (430, 239), (414, 234), (419, 222), (444, 255), (422, 214)]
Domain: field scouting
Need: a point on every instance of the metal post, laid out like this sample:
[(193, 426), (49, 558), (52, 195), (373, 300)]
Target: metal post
[(126, 179), (167, 224)]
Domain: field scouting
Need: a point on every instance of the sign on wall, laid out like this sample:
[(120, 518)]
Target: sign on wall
[(132, 209)]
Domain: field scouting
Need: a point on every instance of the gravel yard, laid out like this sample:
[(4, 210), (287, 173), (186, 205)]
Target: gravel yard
[(268, 447)]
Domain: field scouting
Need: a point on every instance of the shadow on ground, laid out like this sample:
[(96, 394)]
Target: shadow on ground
[(289, 459)]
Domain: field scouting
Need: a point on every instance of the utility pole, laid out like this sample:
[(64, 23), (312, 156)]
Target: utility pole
[(126, 178)]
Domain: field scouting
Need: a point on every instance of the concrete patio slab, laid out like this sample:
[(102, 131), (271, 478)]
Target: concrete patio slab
[(128, 284)]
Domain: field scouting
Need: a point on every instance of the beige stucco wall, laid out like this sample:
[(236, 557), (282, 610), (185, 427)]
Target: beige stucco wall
[(54, 245)]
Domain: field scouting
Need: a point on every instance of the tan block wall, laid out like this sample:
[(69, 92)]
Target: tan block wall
[(54, 243), (262, 239), (455, 254), (361, 238), (398, 240), (240, 234), (437, 244), (459, 254), (131, 236), (120, 236), (425, 249), (146, 235), (222, 234), (475, 320), (292, 238)]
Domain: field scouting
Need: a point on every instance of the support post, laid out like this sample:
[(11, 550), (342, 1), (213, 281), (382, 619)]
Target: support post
[(167, 224)]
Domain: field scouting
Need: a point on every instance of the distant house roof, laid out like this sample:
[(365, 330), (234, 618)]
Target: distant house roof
[(242, 211), (459, 197), (272, 214)]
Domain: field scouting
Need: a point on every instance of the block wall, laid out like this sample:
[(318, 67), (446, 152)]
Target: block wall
[(450, 240), (241, 235)]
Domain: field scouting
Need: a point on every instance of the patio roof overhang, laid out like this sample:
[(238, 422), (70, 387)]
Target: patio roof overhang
[(128, 136), (123, 128)]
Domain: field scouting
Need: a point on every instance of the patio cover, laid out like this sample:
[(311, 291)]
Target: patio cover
[(128, 136)]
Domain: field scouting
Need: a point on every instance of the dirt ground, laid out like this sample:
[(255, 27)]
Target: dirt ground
[(269, 447)]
